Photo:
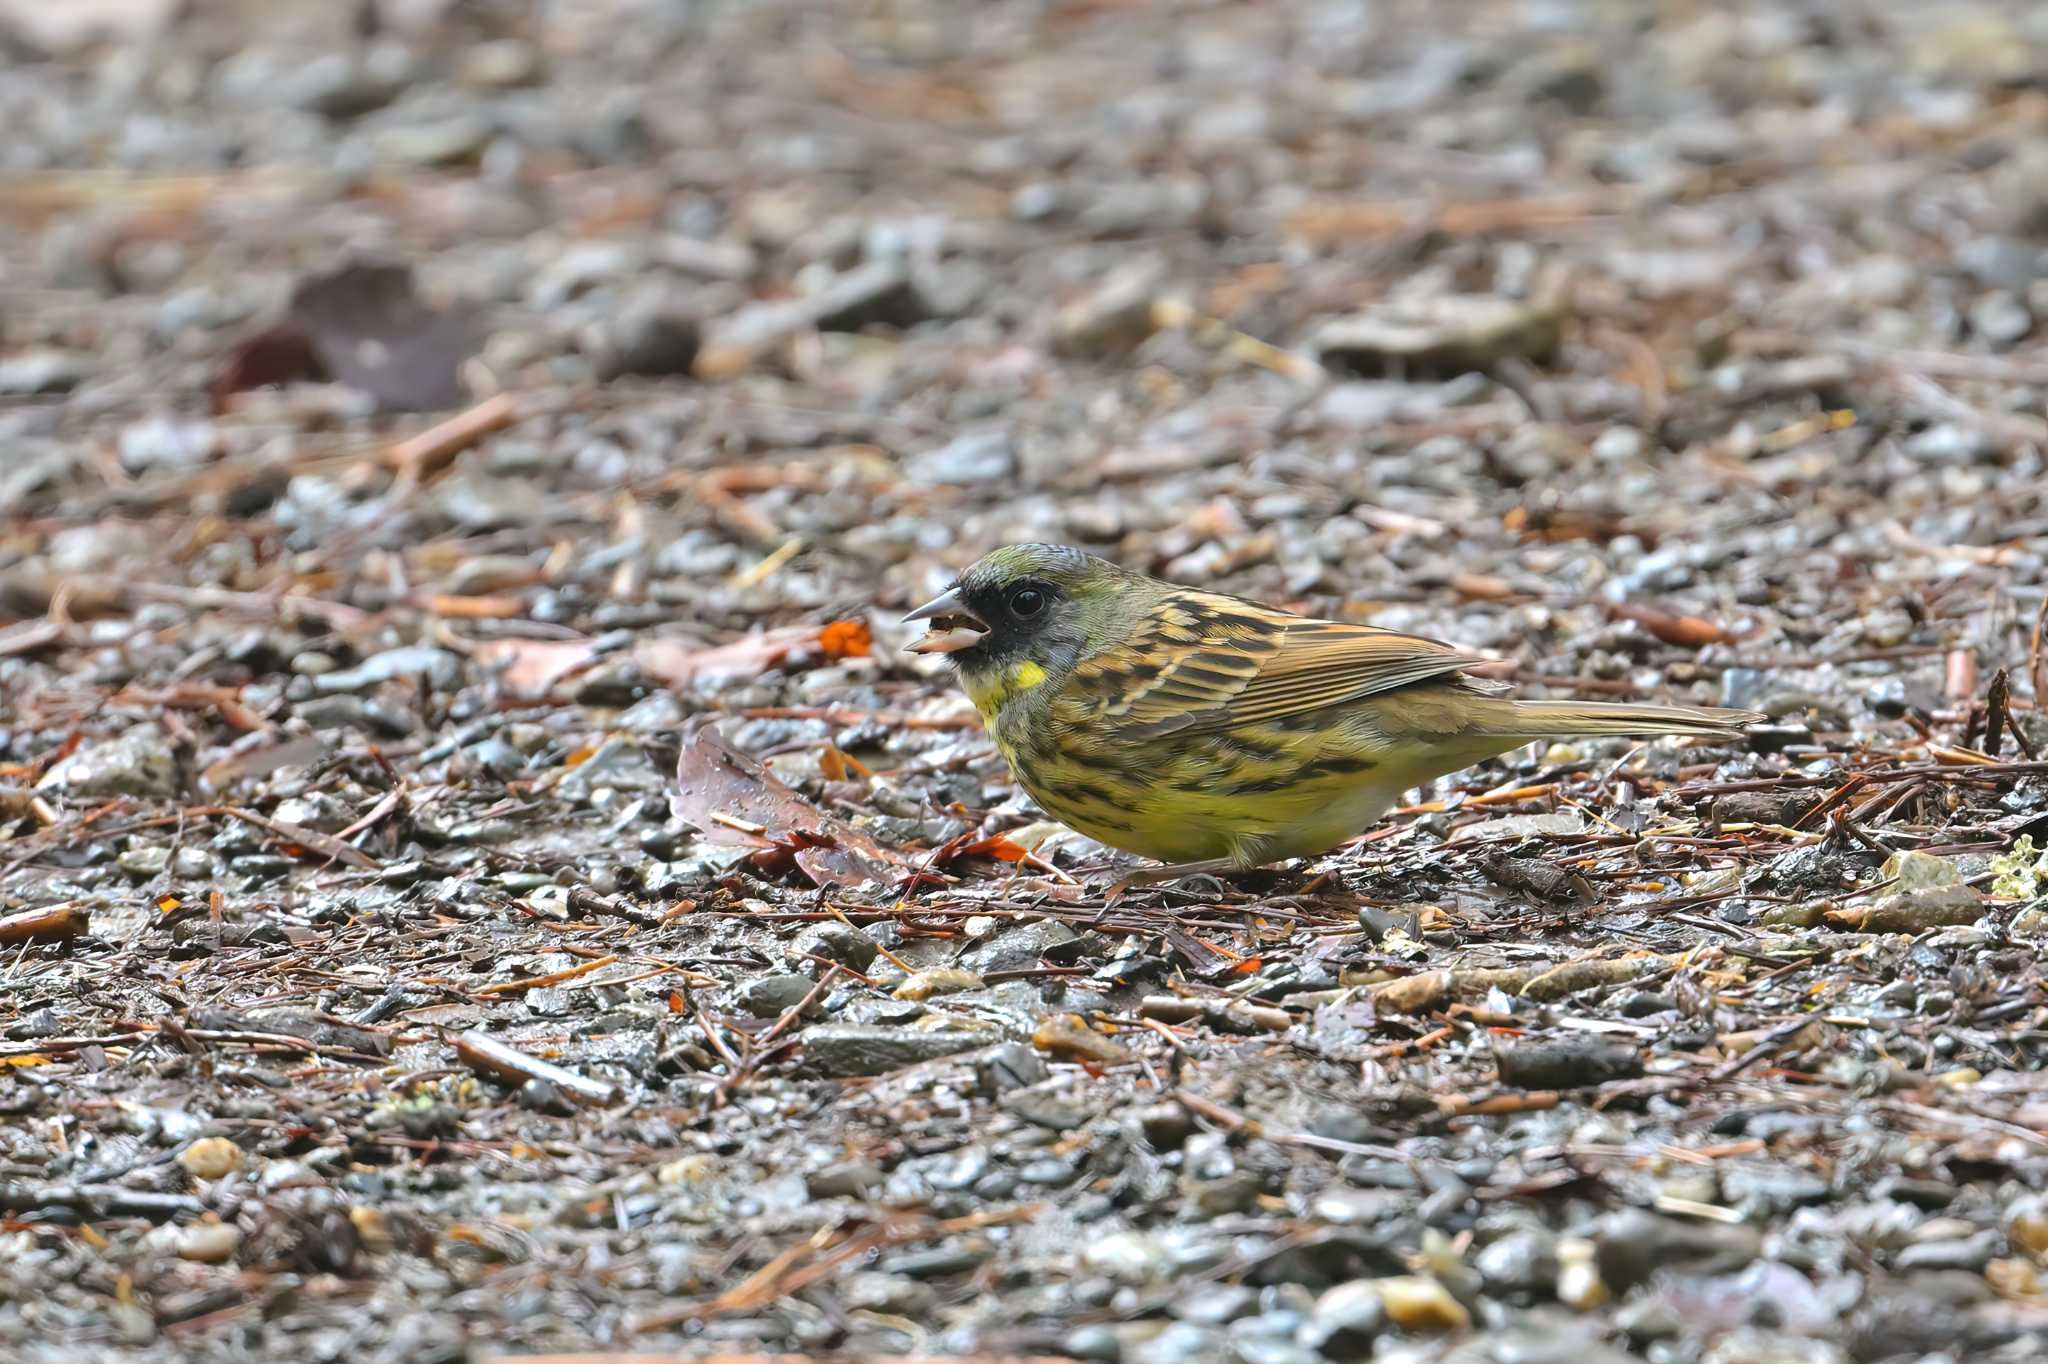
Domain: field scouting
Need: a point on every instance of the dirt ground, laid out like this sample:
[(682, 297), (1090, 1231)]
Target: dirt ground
[(480, 877)]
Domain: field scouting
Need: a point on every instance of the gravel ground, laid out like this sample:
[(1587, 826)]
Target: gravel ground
[(480, 877)]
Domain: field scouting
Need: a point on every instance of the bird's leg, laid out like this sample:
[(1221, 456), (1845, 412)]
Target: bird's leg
[(1171, 871)]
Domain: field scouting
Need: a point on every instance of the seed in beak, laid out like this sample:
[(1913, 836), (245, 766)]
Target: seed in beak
[(953, 625)]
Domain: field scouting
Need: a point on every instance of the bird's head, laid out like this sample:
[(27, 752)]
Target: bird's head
[(1038, 603)]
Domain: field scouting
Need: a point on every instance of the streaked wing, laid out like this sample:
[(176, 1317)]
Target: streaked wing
[(1204, 662)]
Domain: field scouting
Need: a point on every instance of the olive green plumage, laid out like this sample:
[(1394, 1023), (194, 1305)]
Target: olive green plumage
[(1191, 726)]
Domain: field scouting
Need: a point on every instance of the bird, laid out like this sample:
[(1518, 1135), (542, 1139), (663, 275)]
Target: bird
[(1214, 734)]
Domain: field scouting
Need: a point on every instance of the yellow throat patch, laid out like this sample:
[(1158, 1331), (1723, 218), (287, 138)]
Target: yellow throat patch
[(990, 691)]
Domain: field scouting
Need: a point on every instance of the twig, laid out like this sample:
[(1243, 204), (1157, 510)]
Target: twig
[(508, 987), (1763, 1047), (421, 456), (482, 1052), (52, 923)]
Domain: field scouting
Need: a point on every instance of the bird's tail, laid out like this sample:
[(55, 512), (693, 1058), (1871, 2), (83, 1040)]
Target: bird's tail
[(1558, 719)]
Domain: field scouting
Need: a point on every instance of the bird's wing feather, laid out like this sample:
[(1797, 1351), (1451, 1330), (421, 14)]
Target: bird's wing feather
[(1206, 662)]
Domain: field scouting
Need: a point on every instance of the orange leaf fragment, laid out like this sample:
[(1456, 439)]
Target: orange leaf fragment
[(846, 639)]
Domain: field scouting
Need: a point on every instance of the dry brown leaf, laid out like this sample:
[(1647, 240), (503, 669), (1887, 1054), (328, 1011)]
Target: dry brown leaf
[(731, 799)]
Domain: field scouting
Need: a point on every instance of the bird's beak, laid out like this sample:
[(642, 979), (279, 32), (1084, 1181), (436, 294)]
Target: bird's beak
[(953, 625)]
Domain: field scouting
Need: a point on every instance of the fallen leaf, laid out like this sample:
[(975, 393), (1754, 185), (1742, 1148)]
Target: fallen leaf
[(677, 663), (726, 795), (531, 667), (375, 334), (280, 354), (846, 639), (363, 326)]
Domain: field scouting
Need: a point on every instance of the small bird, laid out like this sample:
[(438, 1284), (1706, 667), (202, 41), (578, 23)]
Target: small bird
[(1215, 734)]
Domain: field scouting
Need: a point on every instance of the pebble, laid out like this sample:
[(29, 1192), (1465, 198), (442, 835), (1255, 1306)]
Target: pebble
[(1022, 947), (1215, 1305), (211, 1158), (500, 64), (1177, 1344), (1521, 1263), (844, 1049), (138, 763), (1131, 1256), (156, 858), (167, 443), (983, 455), (838, 942), (1969, 1252), (846, 1179), (1632, 1245), (2001, 318), (1415, 1303), (1346, 1320), (1445, 335), (1113, 317), (653, 341), (1009, 1067), (1579, 1285), (939, 980), (435, 142), (1095, 1341), (45, 372), (209, 1243), (772, 996)]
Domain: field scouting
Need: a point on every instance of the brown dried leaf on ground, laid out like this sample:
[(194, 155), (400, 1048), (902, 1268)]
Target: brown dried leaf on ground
[(732, 799), (363, 326), (677, 662), (531, 667)]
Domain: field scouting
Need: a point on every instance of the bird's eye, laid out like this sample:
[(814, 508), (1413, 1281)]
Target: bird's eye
[(1026, 601)]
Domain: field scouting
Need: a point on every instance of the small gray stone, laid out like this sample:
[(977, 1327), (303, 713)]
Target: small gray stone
[(45, 371), (1015, 1066), (1632, 1245), (845, 1179), (1115, 316), (979, 455), (834, 942), (167, 443), (1214, 1305), (771, 996), (156, 859), (655, 341), (618, 765), (1443, 335), (1092, 1342), (436, 142), (842, 1049), (1969, 1252), (2001, 318), (1520, 1263), (1270, 1349), (1942, 443), (1019, 948), (140, 762), (1177, 1344), (1772, 1188), (499, 65), (1346, 1321)]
